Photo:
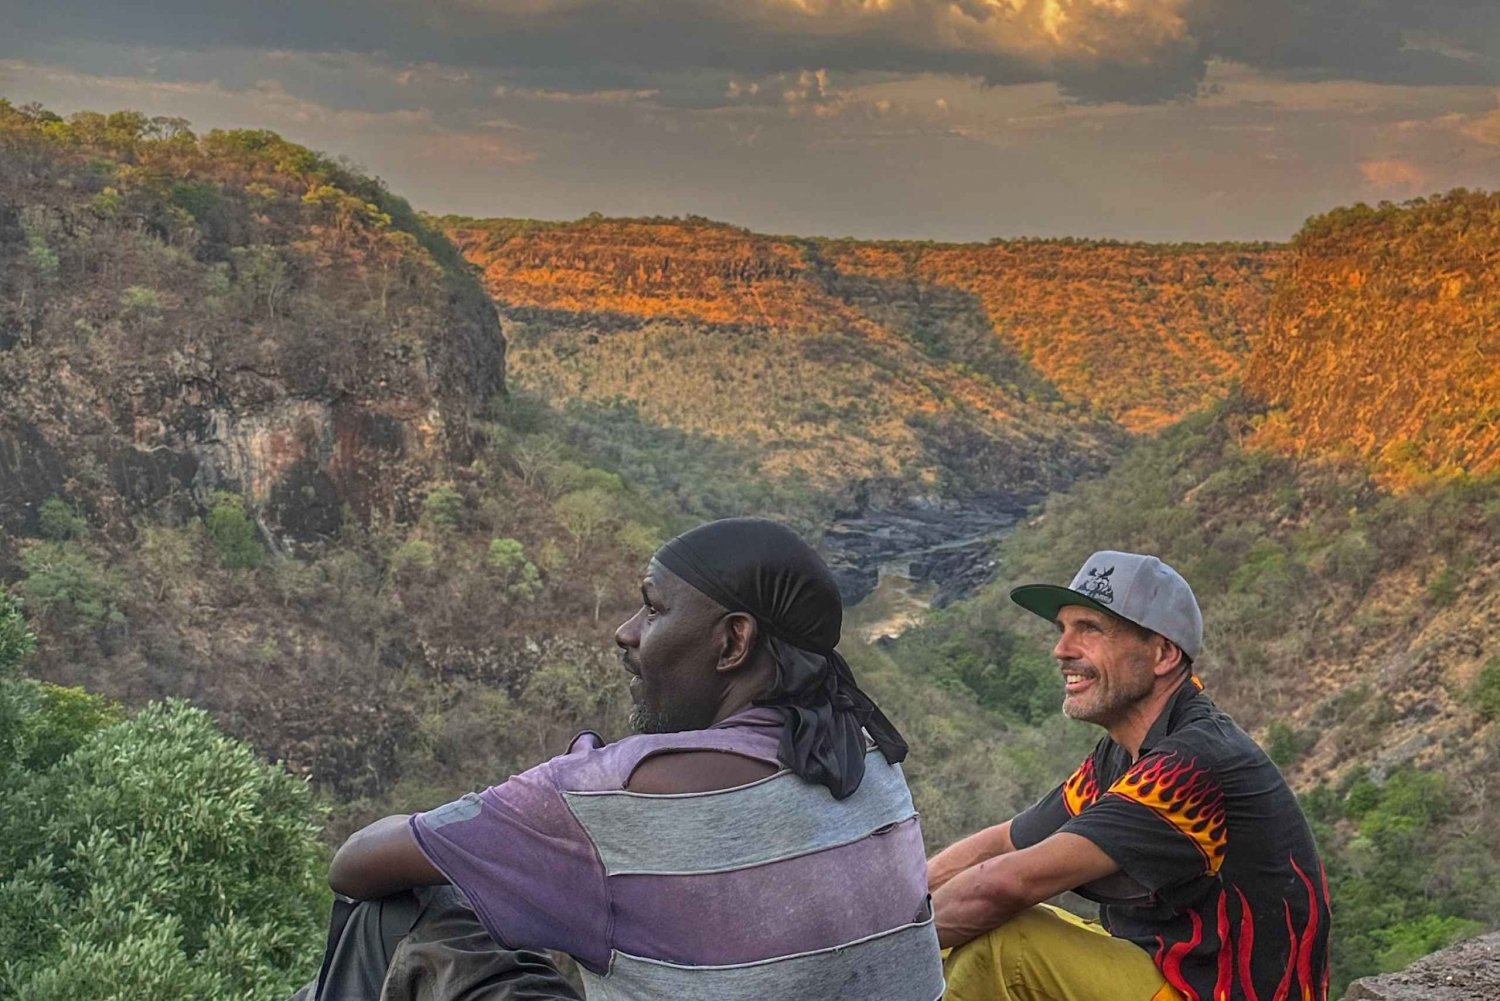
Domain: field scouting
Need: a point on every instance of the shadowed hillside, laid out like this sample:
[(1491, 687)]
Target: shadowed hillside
[(180, 314), (1384, 339)]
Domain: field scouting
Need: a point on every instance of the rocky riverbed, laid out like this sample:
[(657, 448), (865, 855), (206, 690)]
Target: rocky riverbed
[(941, 547)]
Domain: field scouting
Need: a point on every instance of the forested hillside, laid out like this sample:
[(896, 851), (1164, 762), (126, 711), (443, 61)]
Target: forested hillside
[(1139, 334), (836, 387), (256, 451), (1145, 334), (263, 446), (1354, 629), (1384, 339)]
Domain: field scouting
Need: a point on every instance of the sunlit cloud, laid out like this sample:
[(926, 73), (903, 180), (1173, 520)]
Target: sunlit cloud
[(1399, 177)]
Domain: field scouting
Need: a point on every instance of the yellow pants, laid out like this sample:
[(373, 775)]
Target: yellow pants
[(1046, 954)]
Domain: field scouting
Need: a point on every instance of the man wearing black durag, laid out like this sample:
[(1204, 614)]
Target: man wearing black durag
[(754, 840)]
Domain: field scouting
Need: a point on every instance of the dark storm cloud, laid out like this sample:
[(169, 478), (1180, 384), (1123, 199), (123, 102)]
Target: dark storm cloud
[(1450, 42), (1136, 51)]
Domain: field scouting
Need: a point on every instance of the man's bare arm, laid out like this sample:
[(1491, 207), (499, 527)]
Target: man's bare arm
[(989, 894), (381, 859), (965, 854)]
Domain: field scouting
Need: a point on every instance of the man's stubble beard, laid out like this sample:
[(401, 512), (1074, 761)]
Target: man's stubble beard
[(1124, 691)]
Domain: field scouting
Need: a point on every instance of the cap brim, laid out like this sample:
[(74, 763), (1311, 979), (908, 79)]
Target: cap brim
[(1046, 599)]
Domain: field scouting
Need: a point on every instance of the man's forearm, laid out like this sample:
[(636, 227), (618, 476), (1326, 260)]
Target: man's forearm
[(963, 855), (976, 901), (987, 895)]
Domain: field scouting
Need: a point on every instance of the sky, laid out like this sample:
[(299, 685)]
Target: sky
[(956, 120)]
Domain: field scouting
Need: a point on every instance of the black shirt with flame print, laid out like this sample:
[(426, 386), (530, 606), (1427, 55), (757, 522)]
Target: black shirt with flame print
[(1219, 878)]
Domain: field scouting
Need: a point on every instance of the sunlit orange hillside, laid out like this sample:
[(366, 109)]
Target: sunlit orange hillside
[(1145, 334), (846, 361), (1384, 339), (699, 271), (835, 380)]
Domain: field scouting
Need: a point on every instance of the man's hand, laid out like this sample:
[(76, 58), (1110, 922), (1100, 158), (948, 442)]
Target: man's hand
[(989, 894), (966, 854), (379, 860)]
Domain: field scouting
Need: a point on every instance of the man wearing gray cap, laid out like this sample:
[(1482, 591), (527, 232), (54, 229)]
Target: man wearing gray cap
[(1177, 824)]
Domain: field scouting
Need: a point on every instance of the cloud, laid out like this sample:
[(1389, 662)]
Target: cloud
[(1484, 128), (1135, 51), (1395, 176)]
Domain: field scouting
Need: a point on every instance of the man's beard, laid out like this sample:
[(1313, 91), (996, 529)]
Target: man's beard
[(645, 719), (1102, 705), (654, 715)]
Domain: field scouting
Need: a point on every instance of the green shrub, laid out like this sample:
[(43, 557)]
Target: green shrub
[(66, 586), (1442, 589), (414, 554), (519, 577), (62, 719), (1405, 942), (232, 533), (140, 299), (158, 859), (42, 256), (16, 641), (443, 509), (1284, 744), (1486, 692), (58, 521)]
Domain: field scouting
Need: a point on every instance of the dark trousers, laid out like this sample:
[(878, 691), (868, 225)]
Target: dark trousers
[(426, 945)]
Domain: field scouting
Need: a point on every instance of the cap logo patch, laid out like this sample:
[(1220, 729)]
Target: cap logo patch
[(1098, 586)]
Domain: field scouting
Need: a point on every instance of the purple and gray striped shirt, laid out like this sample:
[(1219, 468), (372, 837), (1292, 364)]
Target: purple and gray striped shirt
[(767, 890)]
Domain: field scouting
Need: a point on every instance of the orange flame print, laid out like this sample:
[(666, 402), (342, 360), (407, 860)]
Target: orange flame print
[(1185, 796), (1081, 789)]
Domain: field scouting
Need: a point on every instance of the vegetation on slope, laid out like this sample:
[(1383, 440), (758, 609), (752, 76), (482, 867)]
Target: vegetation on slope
[(1348, 628), (1143, 333), (401, 583), (145, 857), (848, 385), (180, 311), (1384, 339)]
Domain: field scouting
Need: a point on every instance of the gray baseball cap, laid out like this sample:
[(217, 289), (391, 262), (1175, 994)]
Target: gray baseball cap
[(1137, 588)]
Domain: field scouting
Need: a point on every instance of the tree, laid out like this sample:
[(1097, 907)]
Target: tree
[(156, 858), (16, 641), (518, 576), (234, 536), (58, 521), (67, 588), (443, 508), (581, 513)]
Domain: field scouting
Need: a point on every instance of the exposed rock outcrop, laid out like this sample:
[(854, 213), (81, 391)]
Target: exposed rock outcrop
[(180, 317), (1469, 971)]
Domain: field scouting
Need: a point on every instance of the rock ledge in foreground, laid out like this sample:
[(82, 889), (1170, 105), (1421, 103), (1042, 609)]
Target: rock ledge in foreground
[(1469, 971)]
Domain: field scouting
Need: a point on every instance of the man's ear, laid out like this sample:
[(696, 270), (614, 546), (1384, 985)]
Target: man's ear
[(741, 632), (1168, 657)]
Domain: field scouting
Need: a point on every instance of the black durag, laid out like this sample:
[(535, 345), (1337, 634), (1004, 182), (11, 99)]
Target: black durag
[(764, 569)]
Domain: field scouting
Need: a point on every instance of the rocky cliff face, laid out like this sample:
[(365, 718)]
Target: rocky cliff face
[(179, 316)]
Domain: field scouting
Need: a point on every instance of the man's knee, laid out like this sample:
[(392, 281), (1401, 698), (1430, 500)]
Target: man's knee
[(1023, 935), (1010, 953)]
